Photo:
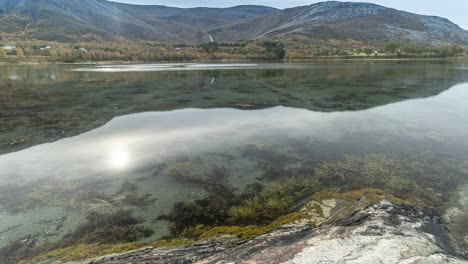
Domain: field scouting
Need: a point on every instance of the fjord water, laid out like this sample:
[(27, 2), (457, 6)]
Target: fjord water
[(82, 138)]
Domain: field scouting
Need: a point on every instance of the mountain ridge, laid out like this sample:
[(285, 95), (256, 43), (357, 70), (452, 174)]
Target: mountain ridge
[(38, 18), (346, 20), (368, 23)]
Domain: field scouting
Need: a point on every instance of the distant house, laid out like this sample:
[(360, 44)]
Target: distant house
[(44, 47), (8, 47), (81, 49)]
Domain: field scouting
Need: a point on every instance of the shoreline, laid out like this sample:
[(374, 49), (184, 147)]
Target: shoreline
[(303, 60)]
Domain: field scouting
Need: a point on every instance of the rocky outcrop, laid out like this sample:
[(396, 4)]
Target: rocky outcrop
[(347, 232)]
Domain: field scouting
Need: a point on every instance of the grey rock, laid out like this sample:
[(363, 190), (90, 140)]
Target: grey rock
[(358, 233)]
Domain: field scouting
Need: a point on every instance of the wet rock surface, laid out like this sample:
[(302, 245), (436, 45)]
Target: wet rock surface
[(348, 232)]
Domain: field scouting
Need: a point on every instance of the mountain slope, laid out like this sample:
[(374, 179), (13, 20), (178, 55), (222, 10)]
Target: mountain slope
[(363, 22), (61, 19), (192, 24), (58, 19)]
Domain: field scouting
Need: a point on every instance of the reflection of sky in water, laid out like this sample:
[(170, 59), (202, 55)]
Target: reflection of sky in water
[(132, 142), (14, 77), (17, 75), (182, 67)]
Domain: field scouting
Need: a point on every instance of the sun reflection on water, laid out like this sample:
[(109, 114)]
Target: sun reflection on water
[(119, 159)]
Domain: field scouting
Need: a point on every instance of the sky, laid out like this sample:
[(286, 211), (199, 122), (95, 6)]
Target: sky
[(455, 10)]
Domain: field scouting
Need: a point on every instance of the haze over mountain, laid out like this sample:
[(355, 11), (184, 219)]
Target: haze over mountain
[(63, 20)]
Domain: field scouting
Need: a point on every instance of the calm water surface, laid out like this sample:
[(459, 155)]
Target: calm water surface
[(77, 139)]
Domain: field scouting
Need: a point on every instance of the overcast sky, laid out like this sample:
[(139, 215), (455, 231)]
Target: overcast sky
[(455, 10)]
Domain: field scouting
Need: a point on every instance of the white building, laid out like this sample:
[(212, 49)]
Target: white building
[(8, 47), (45, 47)]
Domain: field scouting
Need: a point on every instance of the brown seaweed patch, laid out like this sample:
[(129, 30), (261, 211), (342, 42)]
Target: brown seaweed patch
[(371, 195), (17, 250), (117, 227), (250, 212), (83, 251), (101, 234), (170, 243), (421, 180)]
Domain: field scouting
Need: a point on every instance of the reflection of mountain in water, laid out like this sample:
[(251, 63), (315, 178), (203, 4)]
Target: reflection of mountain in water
[(129, 143), (42, 104)]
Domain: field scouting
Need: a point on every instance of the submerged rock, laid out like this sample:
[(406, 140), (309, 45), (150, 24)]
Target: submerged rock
[(350, 232)]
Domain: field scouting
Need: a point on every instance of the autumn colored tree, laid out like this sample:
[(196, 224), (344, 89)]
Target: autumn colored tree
[(19, 52)]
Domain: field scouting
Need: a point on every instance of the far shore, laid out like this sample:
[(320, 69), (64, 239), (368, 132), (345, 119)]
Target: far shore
[(42, 60)]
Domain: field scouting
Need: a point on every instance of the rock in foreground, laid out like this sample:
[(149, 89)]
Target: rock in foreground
[(352, 232)]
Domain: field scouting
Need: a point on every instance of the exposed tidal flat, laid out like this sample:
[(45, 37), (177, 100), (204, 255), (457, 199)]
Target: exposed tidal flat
[(350, 161)]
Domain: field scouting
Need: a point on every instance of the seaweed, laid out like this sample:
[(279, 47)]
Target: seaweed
[(117, 227), (372, 196), (420, 179), (217, 179), (139, 201), (82, 252), (169, 243), (201, 232), (276, 199), (223, 207), (17, 250), (184, 172), (127, 186), (273, 172), (101, 234), (211, 210)]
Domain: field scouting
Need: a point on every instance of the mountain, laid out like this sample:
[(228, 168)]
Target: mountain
[(364, 22), (63, 20)]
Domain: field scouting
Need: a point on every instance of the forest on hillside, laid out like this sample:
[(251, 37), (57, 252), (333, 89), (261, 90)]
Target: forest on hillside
[(260, 50)]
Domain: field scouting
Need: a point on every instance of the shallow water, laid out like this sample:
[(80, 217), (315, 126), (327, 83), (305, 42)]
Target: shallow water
[(114, 131)]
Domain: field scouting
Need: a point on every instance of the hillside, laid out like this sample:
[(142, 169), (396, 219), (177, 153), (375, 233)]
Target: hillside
[(63, 20), (364, 22)]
